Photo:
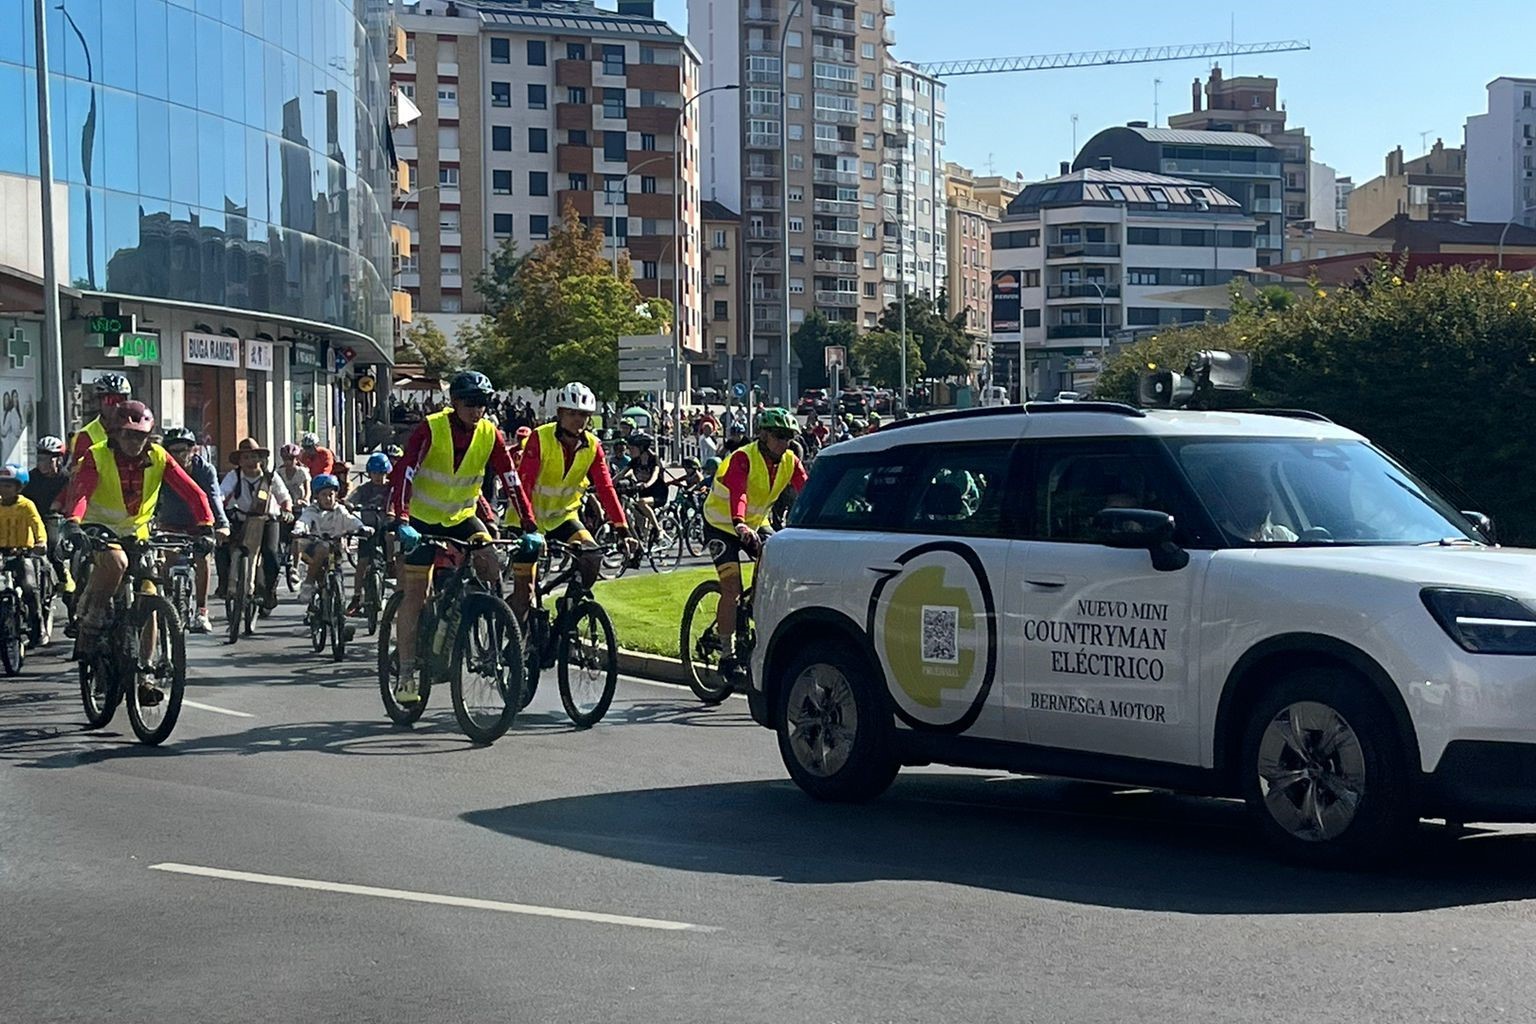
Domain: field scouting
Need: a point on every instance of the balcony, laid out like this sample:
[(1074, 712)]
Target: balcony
[(844, 238), (763, 233), (829, 176), (762, 140), (837, 207), (763, 172), (1267, 242), (1081, 291), (823, 84), (1083, 250), (570, 158), (888, 7), (763, 76), (763, 108), (758, 14), (657, 77), (654, 120), (840, 268), (834, 147), (573, 115), (835, 54), (764, 203), (828, 116), (573, 72), (1055, 331), (832, 23), (763, 296), (582, 201), (1268, 205), (1223, 168), (844, 300), (650, 205)]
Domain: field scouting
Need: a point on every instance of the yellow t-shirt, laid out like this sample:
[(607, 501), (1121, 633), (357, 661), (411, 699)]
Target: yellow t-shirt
[(21, 526)]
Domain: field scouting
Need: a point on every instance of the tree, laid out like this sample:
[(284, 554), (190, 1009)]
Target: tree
[(810, 341), (945, 347), (1439, 370), (425, 343), (877, 355), (566, 313), (497, 283)]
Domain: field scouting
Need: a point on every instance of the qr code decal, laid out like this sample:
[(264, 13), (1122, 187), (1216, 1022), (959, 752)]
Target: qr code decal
[(941, 634)]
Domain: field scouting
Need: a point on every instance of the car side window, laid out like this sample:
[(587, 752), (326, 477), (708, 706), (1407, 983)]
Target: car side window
[(854, 492), (1071, 482), (957, 490)]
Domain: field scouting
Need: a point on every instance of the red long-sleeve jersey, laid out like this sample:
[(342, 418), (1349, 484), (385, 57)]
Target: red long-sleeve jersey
[(420, 442), (739, 467), (131, 472), (598, 476)]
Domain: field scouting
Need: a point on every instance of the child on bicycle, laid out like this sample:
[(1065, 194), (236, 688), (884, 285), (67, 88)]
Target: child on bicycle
[(323, 523), (371, 501), (21, 529)]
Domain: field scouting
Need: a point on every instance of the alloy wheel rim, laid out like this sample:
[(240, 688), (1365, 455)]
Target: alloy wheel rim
[(822, 720), (1312, 771)]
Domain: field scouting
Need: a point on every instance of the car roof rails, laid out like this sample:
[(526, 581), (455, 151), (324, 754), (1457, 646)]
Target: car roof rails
[(1290, 414), (956, 414), (1112, 408)]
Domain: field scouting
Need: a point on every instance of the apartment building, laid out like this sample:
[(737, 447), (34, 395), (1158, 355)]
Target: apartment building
[(1250, 104), (1501, 155), (723, 310), (840, 183), (1241, 165), (970, 223), (1100, 255), (1431, 187), (1342, 187), (527, 106)]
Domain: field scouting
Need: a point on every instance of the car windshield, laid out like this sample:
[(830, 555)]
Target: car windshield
[(1284, 491)]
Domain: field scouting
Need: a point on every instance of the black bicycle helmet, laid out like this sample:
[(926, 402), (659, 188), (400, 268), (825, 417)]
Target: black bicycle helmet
[(179, 435), (689, 462), (640, 439), (472, 385), (113, 384)]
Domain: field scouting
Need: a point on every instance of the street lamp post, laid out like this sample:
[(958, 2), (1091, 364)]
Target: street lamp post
[(608, 196), (752, 309), (1507, 225), (677, 266), (87, 149), (1103, 339), (53, 349), (794, 10)]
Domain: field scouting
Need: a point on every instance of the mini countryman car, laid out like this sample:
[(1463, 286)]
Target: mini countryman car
[(1259, 605)]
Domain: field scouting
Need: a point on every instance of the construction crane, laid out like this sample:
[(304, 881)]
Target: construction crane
[(1096, 58)]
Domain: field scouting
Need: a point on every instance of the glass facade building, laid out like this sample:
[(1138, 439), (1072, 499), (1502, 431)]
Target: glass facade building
[(228, 153)]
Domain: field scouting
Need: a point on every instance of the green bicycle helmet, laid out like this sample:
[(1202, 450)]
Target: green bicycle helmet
[(777, 419)]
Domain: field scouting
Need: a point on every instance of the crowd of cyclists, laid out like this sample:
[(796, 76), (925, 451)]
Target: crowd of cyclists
[(458, 479)]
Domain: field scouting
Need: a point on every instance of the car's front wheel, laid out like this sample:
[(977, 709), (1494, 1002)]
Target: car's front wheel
[(834, 729), (1325, 773)]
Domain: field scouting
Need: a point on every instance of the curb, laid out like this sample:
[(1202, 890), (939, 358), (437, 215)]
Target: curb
[(652, 666)]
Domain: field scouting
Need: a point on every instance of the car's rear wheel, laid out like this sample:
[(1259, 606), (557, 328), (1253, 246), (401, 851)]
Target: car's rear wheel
[(1325, 771), (834, 729)]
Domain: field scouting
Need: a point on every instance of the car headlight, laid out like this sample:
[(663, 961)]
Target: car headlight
[(1483, 623)]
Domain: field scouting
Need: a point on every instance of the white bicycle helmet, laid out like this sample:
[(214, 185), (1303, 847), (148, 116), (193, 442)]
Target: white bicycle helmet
[(577, 396)]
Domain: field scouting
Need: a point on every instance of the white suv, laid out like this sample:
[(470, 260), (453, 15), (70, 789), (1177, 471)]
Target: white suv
[(1244, 604)]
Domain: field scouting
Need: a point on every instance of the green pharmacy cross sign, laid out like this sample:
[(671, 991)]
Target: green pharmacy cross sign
[(18, 348)]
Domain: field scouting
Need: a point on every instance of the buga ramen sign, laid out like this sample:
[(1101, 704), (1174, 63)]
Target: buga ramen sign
[(211, 349)]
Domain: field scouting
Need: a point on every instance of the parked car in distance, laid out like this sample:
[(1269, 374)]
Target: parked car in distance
[(813, 400)]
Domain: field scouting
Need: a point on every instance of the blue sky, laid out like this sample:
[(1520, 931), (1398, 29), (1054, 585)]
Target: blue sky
[(1378, 74)]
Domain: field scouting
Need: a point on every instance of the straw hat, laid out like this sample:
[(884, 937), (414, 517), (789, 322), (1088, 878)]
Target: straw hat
[(249, 446)]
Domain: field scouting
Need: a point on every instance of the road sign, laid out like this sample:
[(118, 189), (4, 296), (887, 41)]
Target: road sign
[(739, 389), (835, 356)]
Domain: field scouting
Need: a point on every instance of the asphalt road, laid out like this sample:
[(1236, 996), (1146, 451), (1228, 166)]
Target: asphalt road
[(660, 868)]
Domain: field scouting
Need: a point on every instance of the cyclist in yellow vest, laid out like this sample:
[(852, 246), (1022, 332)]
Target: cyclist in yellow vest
[(740, 500), (111, 389), (560, 461), (117, 485), (435, 492)]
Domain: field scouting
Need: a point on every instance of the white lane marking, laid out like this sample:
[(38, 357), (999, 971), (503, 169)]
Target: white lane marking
[(218, 711), (655, 924), (670, 686)]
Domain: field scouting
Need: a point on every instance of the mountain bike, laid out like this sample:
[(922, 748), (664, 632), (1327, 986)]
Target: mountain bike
[(579, 640), (376, 581), (245, 552), (326, 616), (700, 647), (181, 590), (140, 656), (15, 627), (467, 637)]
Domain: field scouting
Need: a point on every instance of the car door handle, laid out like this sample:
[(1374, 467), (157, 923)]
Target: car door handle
[(1047, 582)]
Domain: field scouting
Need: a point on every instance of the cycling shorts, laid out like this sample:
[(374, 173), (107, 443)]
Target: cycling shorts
[(466, 532), (569, 532), (724, 548)]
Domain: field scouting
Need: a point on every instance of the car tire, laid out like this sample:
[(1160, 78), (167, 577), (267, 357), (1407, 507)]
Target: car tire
[(833, 725), (1325, 771)]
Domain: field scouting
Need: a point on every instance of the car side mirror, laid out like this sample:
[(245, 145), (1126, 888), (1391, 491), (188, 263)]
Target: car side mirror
[(1483, 524), (1141, 528)]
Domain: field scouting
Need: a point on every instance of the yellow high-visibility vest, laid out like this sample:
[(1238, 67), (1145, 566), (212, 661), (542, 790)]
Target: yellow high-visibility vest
[(441, 494), (557, 494), (107, 507), (95, 430), (762, 490)]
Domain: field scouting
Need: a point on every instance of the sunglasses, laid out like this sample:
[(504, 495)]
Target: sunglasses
[(782, 435)]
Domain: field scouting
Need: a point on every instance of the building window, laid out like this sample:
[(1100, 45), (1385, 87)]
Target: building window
[(501, 51), (647, 184), (538, 140), (447, 177), (869, 289), (501, 138), (501, 223), (409, 88), (576, 94), (538, 225), (577, 136), (1191, 277), (613, 60), (616, 188), (501, 94), (1029, 279), (447, 96), (797, 286), (615, 147), (647, 142), (501, 183), (719, 239), (575, 51), (797, 224), (452, 303), (576, 182), (538, 183), (648, 270), (537, 58), (448, 220), (722, 310), (613, 103), (1029, 318), (793, 38), (1147, 275), (796, 254), (538, 97)]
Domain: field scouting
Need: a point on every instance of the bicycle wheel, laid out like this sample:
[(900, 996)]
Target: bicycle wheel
[(487, 676), (99, 691), (667, 527), (248, 593), (389, 669), (235, 599), (45, 592), (155, 690), (373, 594), (13, 650), (697, 545), (588, 664), (317, 628), (699, 644), (336, 613)]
